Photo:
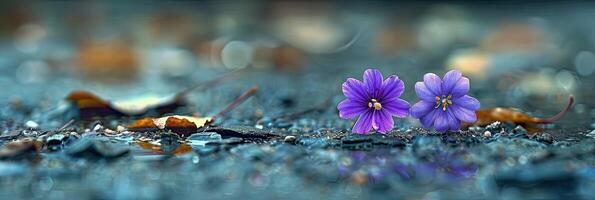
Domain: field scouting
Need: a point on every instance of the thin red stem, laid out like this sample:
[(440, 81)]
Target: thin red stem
[(66, 125), (560, 114), (237, 102), (209, 83)]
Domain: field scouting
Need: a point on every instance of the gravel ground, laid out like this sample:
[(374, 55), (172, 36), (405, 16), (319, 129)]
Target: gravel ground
[(291, 152)]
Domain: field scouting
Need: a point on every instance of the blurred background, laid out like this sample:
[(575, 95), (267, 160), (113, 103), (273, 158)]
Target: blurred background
[(530, 56)]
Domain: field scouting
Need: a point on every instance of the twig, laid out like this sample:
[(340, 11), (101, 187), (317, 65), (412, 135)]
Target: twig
[(66, 125), (237, 102), (561, 113), (10, 137), (209, 83), (50, 133)]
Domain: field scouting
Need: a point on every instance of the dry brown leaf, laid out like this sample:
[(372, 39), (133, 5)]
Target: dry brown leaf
[(90, 105), (488, 116), (184, 125)]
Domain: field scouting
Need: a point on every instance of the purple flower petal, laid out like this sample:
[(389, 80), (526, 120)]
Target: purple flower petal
[(441, 124), (391, 88), (349, 109), (373, 81), (383, 121), (384, 94), (396, 107), (450, 114), (466, 102), (433, 83), (422, 108), (355, 90), (450, 80), (364, 123), (453, 122), (461, 87), (463, 114), (423, 92), (428, 120)]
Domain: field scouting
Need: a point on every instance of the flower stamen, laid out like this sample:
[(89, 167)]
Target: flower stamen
[(374, 103), (444, 101)]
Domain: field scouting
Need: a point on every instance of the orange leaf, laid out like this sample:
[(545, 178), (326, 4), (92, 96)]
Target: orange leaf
[(83, 99), (182, 125), (488, 116), (185, 125), (90, 105), (144, 123)]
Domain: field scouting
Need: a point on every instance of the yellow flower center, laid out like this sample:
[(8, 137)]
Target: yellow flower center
[(443, 101), (374, 103)]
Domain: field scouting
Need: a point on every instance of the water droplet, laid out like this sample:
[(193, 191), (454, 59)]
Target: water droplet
[(172, 61), (236, 55), (566, 80), (31, 124), (584, 63), (195, 159)]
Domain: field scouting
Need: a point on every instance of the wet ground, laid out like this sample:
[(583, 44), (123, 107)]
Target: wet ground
[(285, 143), (287, 140)]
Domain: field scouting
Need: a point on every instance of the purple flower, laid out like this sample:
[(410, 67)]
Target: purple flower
[(444, 103), (375, 102)]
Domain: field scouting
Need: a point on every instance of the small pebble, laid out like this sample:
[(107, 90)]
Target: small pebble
[(545, 138), (201, 139), (290, 139), (520, 130), (31, 124), (475, 128), (259, 126), (97, 127), (487, 134), (195, 159), (120, 128)]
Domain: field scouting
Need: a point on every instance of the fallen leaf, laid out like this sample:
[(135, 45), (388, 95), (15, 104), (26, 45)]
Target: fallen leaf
[(488, 116), (90, 105), (184, 125)]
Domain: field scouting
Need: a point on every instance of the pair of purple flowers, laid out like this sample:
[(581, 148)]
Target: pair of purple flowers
[(444, 103)]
